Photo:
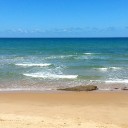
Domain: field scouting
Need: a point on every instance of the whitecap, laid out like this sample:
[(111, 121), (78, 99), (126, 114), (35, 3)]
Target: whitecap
[(88, 53), (82, 57), (103, 69), (108, 68), (59, 57), (33, 65), (51, 76), (119, 81), (115, 68)]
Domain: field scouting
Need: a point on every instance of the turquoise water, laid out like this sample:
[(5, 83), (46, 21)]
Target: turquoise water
[(50, 63)]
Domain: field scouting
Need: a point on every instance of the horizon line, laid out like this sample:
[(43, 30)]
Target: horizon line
[(65, 37)]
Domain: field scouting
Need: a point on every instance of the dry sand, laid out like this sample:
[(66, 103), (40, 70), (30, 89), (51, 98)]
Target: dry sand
[(64, 110)]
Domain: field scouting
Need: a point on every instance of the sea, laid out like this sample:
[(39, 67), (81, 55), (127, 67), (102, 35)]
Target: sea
[(41, 64)]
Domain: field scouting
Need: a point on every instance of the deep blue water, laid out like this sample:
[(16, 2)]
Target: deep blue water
[(50, 63)]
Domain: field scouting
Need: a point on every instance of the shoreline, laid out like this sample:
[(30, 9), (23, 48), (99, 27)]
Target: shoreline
[(46, 88), (64, 110), (61, 90)]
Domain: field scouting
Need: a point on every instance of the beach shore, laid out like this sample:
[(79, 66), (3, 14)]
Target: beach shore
[(64, 110)]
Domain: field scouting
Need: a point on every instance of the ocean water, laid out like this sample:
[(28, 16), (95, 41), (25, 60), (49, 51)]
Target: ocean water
[(51, 63)]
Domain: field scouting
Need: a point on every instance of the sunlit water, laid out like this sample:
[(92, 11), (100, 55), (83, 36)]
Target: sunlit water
[(50, 63)]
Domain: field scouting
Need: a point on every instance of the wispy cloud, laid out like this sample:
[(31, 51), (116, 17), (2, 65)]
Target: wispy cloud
[(20, 30), (70, 29), (111, 28), (60, 30), (74, 29), (65, 31)]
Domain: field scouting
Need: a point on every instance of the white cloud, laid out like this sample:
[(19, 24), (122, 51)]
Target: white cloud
[(66, 32), (60, 30)]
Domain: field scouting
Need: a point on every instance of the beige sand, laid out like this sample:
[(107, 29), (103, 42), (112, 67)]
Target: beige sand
[(64, 110)]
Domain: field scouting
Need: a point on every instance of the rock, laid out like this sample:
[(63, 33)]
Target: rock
[(80, 88), (116, 88), (125, 88)]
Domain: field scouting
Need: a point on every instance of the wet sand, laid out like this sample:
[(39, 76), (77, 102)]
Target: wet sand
[(64, 110)]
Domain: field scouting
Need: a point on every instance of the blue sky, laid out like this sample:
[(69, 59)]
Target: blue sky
[(63, 18)]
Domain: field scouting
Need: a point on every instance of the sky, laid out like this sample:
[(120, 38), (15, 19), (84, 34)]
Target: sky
[(63, 18)]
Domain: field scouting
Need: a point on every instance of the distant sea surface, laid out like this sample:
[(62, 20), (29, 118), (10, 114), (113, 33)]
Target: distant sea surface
[(51, 63)]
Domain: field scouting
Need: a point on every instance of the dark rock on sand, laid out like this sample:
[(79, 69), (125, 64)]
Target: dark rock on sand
[(80, 88), (125, 88)]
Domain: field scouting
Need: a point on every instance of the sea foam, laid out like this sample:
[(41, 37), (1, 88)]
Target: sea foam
[(120, 81), (33, 65), (88, 53), (109, 68), (51, 76)]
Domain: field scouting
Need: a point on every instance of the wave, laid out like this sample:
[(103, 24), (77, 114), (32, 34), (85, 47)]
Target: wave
[(119, 81), (102, 69), (116, 68), (59, 57), (33, 65), (109, 68), (89, 56), (83, 56), (88, 53), (79, 56), (51, 76)]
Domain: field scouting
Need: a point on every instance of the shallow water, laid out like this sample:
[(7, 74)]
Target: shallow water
[(50, 63)]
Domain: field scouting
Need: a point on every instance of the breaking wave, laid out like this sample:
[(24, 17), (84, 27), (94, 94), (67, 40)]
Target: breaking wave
[(109, 68), (51, 76), (33, 65)]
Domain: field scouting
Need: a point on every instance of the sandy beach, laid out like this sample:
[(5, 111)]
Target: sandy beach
[(64, 110)]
